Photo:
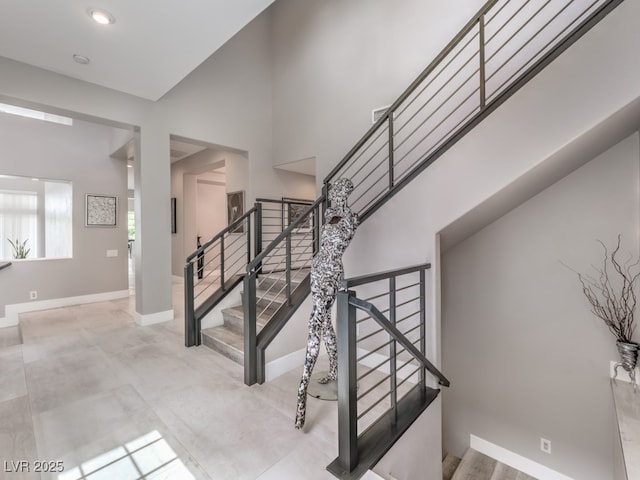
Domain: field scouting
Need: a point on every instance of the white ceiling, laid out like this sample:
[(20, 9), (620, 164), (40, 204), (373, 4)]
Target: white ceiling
[(151, 47)]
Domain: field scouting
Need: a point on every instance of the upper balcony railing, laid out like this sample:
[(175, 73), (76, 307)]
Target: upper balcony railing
[(502, 47)]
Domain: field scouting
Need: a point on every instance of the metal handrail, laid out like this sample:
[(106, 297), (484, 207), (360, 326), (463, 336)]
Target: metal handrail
[(255, 264), (218, 236), (4, 265), (398, 337), (412, 88), (364, 279), (233, 253), (287, 260), (511, 41), (396, 357)]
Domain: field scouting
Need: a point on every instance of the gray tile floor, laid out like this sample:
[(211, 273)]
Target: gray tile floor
[(87, 387)]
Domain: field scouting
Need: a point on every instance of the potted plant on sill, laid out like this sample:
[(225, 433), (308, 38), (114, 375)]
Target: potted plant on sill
[(613, 300), (20, 250)]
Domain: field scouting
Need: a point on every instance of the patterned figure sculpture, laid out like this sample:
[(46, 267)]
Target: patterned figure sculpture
[(326, 273)]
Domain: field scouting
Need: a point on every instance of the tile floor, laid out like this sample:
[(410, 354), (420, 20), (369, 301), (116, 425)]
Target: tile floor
[(86, 388)]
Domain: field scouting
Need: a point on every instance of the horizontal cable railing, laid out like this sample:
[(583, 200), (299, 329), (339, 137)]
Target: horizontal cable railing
[(277, 279), (217, 267), (382, 333), (277, 216), (504, 45)]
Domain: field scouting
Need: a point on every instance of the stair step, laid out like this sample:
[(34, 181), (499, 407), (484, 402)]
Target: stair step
[(477, 466), (267, 298), (234, 317), (277, 279), (225, 341), (449, 466), (505, 472), (228, 339)]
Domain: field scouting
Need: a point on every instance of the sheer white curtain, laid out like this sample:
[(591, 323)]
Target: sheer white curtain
[(18, 222), (57, 219)]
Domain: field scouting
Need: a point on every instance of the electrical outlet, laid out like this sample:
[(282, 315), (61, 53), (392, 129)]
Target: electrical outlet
[(545, 445), (112, 253), (33, 295)]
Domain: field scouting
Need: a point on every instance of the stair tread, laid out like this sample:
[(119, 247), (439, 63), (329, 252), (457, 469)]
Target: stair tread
[(477, 466), (237, 311), (297, 276), (449, 465), (505, 472), (225, 341), (227, 335)]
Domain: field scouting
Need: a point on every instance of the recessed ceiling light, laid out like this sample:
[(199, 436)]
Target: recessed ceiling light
[(101, 16), (81, 59)]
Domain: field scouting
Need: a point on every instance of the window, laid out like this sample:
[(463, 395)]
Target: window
[(18, 224), (35, 218)]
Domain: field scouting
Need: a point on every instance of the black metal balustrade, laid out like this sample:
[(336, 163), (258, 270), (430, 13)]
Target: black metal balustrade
[(501, 48), (280, 272), (383, 365), (217, 267)]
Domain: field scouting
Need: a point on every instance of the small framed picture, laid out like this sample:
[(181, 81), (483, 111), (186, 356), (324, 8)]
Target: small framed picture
[(101, 210), (235, 209), (174, 225), (295, 208)]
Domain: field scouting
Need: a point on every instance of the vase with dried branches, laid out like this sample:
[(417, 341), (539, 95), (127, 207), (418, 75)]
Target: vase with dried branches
[(612, 296)]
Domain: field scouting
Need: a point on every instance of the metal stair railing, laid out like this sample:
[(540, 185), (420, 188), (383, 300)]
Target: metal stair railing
[(281, 269), (500, 49), (217, 267), (382, 381)]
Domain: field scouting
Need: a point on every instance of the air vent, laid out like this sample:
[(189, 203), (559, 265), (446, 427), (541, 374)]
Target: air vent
[(378, 112)]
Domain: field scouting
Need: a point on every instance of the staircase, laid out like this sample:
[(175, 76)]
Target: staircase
[(477, 466), (501, 48), (228, 338)]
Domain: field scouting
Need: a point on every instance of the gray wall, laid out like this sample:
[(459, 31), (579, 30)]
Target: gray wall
[(80, 154), (335, 61), (184, 188), (525, 356)]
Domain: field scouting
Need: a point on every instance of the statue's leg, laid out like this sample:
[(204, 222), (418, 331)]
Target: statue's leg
[(313, 348), (330, 344)]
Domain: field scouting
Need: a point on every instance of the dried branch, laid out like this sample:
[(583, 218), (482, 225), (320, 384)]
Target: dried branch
[(615, 305)]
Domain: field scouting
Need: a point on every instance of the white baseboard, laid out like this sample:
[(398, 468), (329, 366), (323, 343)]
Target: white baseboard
[(153, 318), (514, 460), (279, 366), (12, 312)]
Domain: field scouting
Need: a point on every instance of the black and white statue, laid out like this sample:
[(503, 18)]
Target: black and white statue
[(326, 273)]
